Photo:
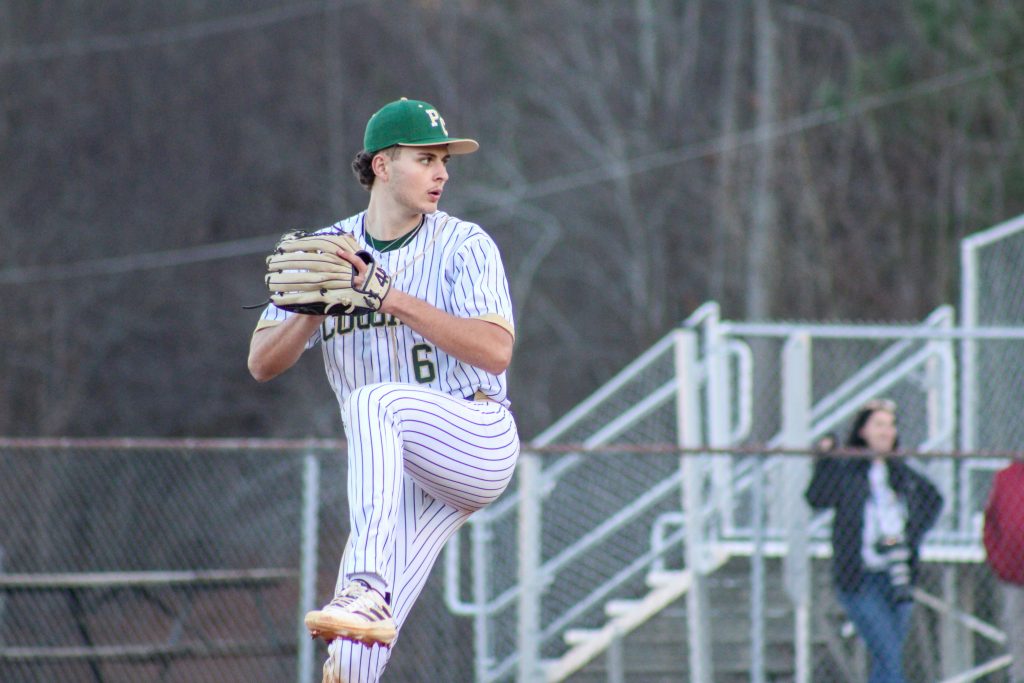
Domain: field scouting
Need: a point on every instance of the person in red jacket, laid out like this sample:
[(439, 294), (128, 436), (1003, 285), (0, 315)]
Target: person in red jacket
[(1004, 549)]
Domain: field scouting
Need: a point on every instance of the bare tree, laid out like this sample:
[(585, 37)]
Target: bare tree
[(623, 176)]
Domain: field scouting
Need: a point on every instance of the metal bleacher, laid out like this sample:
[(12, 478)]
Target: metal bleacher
[(612, 563)]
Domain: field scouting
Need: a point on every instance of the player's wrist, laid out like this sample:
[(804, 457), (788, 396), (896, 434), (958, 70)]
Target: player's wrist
[(309, 320), (392, 302)]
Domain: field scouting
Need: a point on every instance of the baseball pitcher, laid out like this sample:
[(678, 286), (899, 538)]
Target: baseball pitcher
[(410, 307)]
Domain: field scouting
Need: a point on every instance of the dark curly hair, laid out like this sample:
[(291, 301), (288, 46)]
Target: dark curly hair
[(362, 165)]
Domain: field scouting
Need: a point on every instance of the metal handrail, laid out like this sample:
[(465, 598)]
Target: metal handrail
[(885, 371), (608, 586), (940, 316)]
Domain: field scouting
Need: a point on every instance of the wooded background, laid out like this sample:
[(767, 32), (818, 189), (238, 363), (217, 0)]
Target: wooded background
[(812, 160)]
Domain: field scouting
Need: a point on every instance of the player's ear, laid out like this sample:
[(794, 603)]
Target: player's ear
[(379, 164)]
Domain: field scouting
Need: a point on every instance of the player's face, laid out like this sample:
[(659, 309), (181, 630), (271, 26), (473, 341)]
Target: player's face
[(416, 178), (879, 432)]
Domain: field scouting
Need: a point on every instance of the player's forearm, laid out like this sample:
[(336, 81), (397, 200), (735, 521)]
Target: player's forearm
[(480, 343), (275, 349)]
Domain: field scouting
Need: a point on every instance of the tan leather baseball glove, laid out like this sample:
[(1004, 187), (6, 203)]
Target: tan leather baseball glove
[(305, 275)]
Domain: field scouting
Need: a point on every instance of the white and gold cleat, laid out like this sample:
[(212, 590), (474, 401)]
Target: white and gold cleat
[(357, 613)]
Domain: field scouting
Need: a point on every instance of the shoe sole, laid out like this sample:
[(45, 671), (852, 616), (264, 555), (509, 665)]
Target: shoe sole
[(330, 626)]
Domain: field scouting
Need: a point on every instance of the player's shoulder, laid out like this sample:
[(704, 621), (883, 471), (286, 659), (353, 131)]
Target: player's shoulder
[(346, 225), (455, 231)]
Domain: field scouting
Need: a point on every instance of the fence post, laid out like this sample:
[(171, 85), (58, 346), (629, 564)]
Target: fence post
[(530, 585), (719, 414), (690, 434), (480, 537), (614, 662), (757, 591), (796, 433), (968, 347), (307, 560)]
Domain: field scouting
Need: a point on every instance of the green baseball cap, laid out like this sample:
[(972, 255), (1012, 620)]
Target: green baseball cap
[(411, 123)]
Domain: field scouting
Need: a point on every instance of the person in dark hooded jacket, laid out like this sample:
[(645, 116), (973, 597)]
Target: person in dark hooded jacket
[(883, 508)]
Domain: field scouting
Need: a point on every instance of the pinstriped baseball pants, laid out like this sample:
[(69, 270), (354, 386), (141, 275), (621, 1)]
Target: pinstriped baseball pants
[(420, 463)]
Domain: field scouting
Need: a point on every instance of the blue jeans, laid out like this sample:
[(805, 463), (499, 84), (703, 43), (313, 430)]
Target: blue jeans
[(882, 624)]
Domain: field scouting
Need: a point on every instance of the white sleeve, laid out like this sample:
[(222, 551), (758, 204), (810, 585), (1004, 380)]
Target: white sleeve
[(272, 315), (480, 289)]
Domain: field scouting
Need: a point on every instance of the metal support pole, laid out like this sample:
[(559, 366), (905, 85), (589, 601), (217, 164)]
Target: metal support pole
[(690, 433), (307, 562), (529, 473), (719, 412), (796, 427), (968, 347), (757, 620), (616, 666), (480, 535), (957, 653)]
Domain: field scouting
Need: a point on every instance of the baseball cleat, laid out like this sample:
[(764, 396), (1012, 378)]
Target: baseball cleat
[(357, 613)]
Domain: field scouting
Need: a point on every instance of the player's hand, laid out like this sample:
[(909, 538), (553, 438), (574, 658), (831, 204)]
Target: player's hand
[(358, 264)]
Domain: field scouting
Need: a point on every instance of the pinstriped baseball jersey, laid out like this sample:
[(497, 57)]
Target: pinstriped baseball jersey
[(447, 262)]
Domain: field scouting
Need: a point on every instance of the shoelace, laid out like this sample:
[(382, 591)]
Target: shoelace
[(360, 591), (352, 594)]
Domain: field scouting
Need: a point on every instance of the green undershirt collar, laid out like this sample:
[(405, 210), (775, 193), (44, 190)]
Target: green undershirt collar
[(397, 243)]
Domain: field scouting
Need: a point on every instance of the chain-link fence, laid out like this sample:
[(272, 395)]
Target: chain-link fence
[(180, 561), (992, 264), (596, 573), (674, 498), (708, 563)]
